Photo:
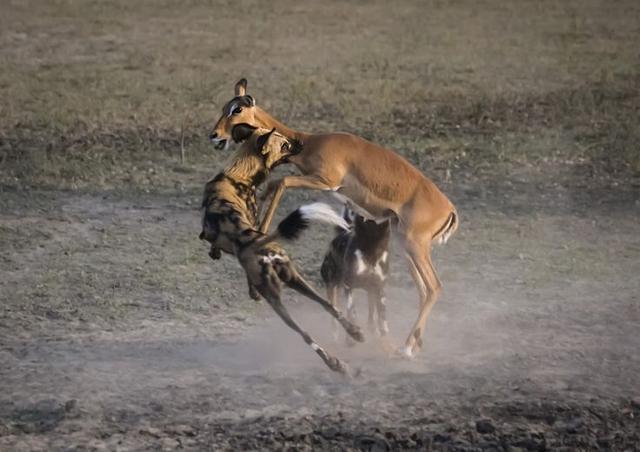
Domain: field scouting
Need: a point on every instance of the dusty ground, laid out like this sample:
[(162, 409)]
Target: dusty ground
[(122, 335), (118, 333)]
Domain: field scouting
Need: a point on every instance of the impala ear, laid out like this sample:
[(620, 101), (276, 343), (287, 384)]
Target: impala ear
[(241, 132), (252, 101), (262, 140), (241, 87)]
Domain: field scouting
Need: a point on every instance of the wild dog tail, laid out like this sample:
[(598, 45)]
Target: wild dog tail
[(297, 221), (448, 228)]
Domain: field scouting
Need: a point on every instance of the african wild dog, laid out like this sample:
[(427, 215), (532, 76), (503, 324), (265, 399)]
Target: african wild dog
[(358, 259), (230, 224)]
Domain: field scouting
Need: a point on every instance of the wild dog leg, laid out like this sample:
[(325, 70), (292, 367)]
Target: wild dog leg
[(332, 296), (299, 284), (378, 303), (332, 362), (383, 326), (352, 315), (373, 307), (253, 292)]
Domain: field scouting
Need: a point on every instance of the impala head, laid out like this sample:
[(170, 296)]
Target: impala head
[(239, 110), (273, 147)]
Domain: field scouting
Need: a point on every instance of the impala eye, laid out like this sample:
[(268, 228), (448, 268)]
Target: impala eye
[(236, 110)]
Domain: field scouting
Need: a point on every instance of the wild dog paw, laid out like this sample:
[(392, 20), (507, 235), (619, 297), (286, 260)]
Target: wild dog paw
[(354, 331), (254, 294), (215, 253), (338, 365)]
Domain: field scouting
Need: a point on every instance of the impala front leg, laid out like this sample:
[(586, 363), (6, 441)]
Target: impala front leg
[(279, 185)]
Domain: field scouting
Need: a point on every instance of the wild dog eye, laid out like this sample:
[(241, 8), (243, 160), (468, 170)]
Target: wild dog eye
[(285, 147)]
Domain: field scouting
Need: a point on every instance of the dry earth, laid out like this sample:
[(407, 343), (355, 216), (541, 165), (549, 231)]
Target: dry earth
[(118, 334)]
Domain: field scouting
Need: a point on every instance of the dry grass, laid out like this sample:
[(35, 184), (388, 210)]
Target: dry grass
[(95, 93)]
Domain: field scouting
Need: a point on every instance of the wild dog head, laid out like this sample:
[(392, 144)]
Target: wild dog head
[(239, 110), (271, 146), (370, 230)]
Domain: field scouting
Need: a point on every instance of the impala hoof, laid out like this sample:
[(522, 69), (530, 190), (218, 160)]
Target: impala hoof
[(405, 352)]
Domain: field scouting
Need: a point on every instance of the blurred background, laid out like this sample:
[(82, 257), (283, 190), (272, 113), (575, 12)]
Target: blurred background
[(96, 93)]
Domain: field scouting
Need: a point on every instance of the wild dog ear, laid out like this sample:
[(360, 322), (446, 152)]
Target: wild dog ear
[(241, 87), (241, 132), (262, 140)]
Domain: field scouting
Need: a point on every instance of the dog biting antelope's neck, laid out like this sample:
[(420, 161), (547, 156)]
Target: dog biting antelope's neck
[(247, 169)]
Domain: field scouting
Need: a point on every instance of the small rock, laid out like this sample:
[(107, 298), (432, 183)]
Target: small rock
[(251, 413), (441, 438), (372, 444), (182, 429), (575, 425), (169, 444), (484, 426), (422, 439), (530, 444), (151, 431), (330, 433), (70, 405)]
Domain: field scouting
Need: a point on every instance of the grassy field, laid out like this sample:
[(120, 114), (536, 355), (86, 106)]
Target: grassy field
[(96, 94)]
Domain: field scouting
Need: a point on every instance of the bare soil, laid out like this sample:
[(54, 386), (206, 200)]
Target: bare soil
[(143, 343)]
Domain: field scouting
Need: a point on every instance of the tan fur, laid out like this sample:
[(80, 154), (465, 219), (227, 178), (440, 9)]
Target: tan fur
[(377, 180)]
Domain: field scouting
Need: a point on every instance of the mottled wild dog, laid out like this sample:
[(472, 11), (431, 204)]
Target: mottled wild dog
[(358, 259), (230, 220), (379, 182)]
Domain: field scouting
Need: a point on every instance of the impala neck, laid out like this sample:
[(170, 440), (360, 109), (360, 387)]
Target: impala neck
[(267, 121)]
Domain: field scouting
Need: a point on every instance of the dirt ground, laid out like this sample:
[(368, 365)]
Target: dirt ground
[(532, 346), (117, 332)]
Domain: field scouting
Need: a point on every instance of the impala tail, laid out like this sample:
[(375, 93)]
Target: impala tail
[(447, 230)]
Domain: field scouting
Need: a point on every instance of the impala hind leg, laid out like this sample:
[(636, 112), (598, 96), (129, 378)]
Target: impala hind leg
[(332, 362), (429, 288)]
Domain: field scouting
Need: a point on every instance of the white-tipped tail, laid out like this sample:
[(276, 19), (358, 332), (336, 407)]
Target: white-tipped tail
[(323, 212)]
